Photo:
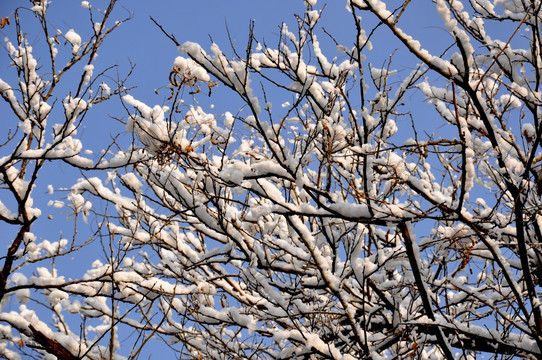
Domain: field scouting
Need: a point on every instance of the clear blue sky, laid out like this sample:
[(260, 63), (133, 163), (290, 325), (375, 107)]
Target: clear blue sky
[(141, 42)]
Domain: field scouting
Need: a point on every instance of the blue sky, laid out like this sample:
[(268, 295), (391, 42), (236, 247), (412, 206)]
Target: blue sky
[(139, 41)]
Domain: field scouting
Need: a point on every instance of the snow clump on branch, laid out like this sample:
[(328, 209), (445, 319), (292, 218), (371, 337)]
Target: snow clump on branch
[(75, 40), (189, 71)]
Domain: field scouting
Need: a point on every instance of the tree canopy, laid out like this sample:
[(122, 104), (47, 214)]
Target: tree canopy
[(360, 194)]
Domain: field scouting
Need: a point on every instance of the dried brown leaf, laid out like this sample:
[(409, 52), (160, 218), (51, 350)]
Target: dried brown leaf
[(4, 22)]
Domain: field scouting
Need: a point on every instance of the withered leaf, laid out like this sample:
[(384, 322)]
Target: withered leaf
[(4, 22)]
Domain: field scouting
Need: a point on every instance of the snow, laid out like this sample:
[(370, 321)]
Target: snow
[(6, 213), (529, 131), (190, 71), (89, 69), (469, 169), (39, 9), (132, 182), (8, 93), (234, 173), (510, 100), (306, 198), (73, 107), (56, 296), (105, 88), (75, 40), (228, 119)]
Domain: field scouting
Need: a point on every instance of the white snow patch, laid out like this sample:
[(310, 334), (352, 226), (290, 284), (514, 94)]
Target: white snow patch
[(74, 39)]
